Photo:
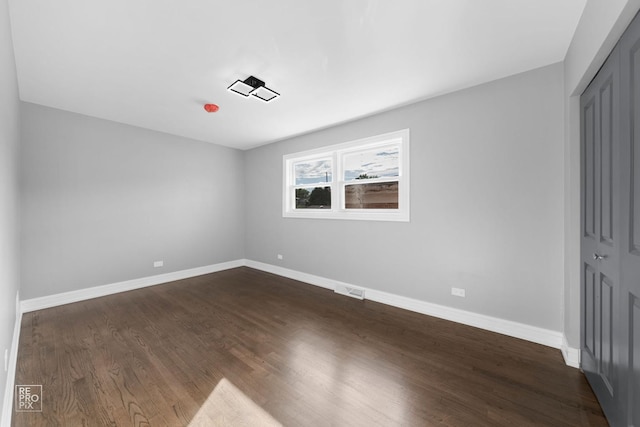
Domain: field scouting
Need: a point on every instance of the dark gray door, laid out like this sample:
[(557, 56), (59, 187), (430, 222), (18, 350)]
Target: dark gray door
[(610, 227), (629, 404), (601, 234)]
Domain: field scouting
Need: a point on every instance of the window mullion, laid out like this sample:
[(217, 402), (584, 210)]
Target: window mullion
[(337, 158)]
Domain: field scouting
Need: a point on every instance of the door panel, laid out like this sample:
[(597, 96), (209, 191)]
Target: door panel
[(629, 363), (630, 67), (606, 162), (634, 367), (600, 244), (589, 293), (606, 340), (589, 166)]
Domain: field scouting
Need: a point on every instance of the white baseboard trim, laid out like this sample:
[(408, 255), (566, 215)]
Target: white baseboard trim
[(311, 279), (523, 331), (7, 404), (128, 285), (570, 354)]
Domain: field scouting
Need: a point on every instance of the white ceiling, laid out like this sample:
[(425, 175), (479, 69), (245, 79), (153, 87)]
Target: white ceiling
[(154, 63)]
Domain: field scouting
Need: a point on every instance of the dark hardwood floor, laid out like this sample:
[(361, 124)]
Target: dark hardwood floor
[(243, 347)]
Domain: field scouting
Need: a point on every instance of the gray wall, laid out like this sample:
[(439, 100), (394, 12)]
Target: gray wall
[(102, 201), (9, 223), (486, 204)]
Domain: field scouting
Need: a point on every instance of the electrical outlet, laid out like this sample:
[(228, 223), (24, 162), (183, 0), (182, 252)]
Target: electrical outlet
[(158, 264), (458, 292), (280, 256)]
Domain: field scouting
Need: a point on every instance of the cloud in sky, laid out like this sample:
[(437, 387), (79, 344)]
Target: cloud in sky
[(313, 172), (375, 162), (380, 163)]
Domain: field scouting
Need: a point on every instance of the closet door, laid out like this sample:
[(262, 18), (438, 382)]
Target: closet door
[(629, 367), (601, 233)]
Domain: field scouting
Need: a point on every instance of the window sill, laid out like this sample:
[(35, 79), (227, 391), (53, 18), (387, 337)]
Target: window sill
[(350, 215)]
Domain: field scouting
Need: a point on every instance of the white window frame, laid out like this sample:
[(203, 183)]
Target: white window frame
[(336, 153)]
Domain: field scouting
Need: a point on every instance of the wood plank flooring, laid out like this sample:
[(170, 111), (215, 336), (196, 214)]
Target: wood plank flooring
[(243, 347)]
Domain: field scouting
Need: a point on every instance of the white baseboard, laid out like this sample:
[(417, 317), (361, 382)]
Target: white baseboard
[(128, 285), (523, 331), (570, 354), (7, 404), (311, 279)]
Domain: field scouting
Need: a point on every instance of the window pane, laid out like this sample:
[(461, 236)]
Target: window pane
[(378, 163), (376, 195), (313, 198), (313, 172)]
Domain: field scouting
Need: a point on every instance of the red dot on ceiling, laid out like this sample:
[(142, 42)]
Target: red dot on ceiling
[(211, 108)]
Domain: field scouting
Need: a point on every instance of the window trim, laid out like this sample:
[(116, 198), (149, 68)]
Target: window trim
[(337, 153)]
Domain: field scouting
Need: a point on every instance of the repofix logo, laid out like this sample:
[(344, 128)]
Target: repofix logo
[(28, 398)]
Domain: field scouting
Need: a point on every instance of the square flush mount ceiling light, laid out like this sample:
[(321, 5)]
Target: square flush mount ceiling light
[(253, 86)]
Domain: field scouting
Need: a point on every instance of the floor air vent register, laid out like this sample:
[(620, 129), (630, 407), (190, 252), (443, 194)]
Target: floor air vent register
[(349, 291)]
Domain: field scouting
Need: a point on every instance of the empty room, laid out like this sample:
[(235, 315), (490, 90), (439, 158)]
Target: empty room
[(336, 213)]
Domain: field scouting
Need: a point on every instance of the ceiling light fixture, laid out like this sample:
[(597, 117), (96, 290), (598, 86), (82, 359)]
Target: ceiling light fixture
[(253, 86)]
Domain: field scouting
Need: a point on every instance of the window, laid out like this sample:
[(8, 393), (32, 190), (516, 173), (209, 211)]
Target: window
[(367, 179)]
